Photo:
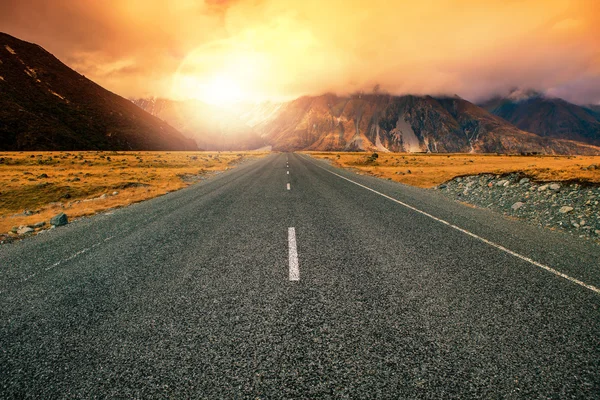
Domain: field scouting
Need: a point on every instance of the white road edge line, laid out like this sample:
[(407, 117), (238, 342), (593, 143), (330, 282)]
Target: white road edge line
[(294, 274), (499, 247), (289, 187), (80, 252)]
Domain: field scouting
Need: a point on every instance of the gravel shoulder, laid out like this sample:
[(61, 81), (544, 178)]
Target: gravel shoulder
[(568, 206)]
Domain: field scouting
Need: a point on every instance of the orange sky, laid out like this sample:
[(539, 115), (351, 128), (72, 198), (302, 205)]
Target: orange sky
[(274, 49)]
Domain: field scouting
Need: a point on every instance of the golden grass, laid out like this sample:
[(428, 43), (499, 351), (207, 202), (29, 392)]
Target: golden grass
[(429, 170), (73, 182)]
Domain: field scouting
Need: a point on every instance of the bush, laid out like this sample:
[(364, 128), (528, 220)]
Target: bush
[(372, 158)]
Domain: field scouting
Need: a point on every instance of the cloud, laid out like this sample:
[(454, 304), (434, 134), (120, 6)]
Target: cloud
[(282, 49)]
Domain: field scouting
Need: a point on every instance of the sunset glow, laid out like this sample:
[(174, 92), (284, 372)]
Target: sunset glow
[(218, 90), (222, 51)]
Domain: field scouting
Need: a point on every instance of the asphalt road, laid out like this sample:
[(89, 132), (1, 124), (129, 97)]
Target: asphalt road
[(189, 296)]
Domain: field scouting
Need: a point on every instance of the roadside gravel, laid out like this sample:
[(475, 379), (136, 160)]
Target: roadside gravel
[(572, 207)]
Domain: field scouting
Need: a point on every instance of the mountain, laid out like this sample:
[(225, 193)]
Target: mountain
[(45, 105), (549, 117), (594, 108), (382, 122), (212, 127)]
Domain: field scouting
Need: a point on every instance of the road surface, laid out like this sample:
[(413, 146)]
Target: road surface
[(288, 278)]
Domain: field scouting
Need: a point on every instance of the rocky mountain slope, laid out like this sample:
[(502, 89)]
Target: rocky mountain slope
[(383, 122), (595, 108), (548, 117), (45, 105), (211, 127)]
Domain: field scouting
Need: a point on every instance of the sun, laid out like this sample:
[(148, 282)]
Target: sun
[(221, 73), (220, 90)]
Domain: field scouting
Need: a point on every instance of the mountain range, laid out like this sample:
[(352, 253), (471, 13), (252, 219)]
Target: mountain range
[(548, 117), (211, 127), (402, 123), (362, 122), (45, 105)]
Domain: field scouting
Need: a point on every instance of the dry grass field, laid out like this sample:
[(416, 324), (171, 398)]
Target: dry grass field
[(43, 184), (428, 170), (34, 186)]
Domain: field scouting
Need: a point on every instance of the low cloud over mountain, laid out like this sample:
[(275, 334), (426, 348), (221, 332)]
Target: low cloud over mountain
[(547, 116)]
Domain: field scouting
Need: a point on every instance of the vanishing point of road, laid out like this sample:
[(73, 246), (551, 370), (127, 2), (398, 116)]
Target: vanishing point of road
[(288, 278)]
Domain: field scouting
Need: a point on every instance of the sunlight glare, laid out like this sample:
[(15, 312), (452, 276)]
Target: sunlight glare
[(220, 91)]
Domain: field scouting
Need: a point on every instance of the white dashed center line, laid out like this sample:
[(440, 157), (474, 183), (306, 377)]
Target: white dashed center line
[(293, 256), (288, 172), (289, 187)]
